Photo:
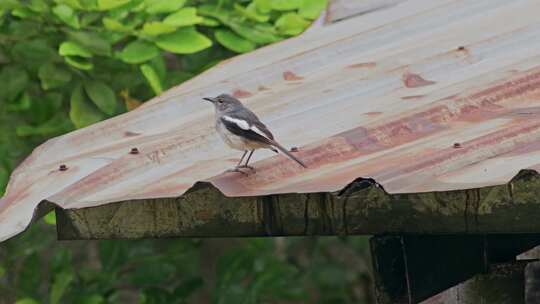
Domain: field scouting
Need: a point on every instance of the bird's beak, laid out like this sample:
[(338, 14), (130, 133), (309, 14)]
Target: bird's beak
[(212, 100)]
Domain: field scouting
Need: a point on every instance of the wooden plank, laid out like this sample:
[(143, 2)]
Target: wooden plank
[(412, 268), (503, 284), (361, 208)]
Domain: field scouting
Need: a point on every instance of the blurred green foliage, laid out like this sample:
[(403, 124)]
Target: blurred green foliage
[(35, 268), (66, 64)]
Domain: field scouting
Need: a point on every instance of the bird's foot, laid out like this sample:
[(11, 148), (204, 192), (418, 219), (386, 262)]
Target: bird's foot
[(236, 169), (246, 167)]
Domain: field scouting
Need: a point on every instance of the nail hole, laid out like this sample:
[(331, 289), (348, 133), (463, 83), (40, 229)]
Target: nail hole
[(461, 48), (62, 168), (294, 149), (134, 151), (457, 145)]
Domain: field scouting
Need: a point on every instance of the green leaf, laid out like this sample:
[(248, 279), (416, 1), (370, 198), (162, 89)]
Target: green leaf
[(23, 12), (263, 6), (22, 103), (234, 42), (177, 77), (79, 63), (39, 6), (311, 9), (286, 5), (114, 37), (104, 5), (152, 78), (10, 4), (26, 301), (184, 17), (206, 21), (61, 283), (14, 80), (135, 20), (82, 113), (257, 33), (91, 41), (115, 25), (88, 19), (92, 299), (138, 51), (102, 96), (44, 107), (67, 15), (184, 41), (4, 178), (155, 28), (130, 8), (260, 33), (291, 24), (215, 12), (159, 65), (53, 76), (89, 5), (22, 29), (163, 6), (34, 52), (195, 62), (76, 4), (50, 218), (70, 48), (57, 125), (251, 12)]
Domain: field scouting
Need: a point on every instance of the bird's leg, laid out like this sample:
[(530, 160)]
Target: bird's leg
[(238, 166), (247, 161), (241, 159)]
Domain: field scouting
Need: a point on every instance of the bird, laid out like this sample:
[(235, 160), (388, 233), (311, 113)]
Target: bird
[(242, 130)]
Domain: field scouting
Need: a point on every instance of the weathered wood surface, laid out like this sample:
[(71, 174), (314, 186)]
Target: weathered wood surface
[(361, 208), (503, 284)]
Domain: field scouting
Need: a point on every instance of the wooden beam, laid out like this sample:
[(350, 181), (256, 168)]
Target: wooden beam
[(361, 208), (412, 268)]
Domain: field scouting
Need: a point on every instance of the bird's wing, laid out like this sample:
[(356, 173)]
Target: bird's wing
[(252, 130), (260, 128)]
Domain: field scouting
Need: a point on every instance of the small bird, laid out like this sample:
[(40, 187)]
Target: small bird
[(242, 130)]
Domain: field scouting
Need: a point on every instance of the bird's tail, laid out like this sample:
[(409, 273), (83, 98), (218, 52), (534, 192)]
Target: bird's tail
[(289, 155)]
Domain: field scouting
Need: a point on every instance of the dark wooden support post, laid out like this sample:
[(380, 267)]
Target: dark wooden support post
[(410, 269)]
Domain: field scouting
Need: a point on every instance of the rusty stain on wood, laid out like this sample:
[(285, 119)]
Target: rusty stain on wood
[(362, 65), (290, 76), (411, 80), (239, 93)]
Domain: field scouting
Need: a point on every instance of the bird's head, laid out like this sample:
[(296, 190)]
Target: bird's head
[(223, 102)]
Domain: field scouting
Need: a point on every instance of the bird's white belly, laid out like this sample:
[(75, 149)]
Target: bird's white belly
[(235, 141)]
